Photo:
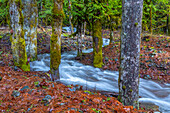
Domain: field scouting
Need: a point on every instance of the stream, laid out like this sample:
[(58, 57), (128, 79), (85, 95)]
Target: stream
[(73, 72)]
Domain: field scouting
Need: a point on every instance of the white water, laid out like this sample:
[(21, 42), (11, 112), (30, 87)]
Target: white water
[(73, 72)]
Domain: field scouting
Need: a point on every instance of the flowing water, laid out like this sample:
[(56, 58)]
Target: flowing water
[(73, 72)]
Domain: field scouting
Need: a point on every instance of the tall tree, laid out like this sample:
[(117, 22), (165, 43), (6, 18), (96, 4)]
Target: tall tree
[(97, 43), (70, 16), (97, 11), (130, 51), (30, 13), (55, 43), (17, 37)]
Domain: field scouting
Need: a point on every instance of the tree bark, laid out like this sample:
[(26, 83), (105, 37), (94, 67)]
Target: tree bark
[(55, 43), (30, 13), (151, 16), (17, 37), (130, 52), (40, 11), (70, 17), (97, 43), (111, 31), (167, 24), (79, 40)]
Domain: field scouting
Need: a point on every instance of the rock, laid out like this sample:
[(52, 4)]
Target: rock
[(25, 87), (72, 109), (15, 93), (159, 51), (29, 109), (9, 75), (0, 78), (62, 104), (37, 85), (30, 91), (158, 45), (116, 59), (47, 98), (2, 63), (151, 65), (147, 77), (167, 45), (72, 89), (106, 59), (141, 63), (15, 68)]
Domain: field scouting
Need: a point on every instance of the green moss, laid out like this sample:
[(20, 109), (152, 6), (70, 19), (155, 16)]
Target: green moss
[(97, 44), (55, 45), (130, 90), (55, 52), (124, 87), (18, 43), (136, 24), (56, 12)]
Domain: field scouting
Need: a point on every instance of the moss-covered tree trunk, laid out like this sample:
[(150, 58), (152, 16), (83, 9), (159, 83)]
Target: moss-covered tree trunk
[(30, 13), (79, 40), (130, 51), (17, 37), (97, 43), (55, 43)]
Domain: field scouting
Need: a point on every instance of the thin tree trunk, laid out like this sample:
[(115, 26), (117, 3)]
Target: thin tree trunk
[(40, 11), (84, 29), (130, 52), (111, 31), (55, 43), (30, 13), (97, 43), (151, 16), (79, 40), (17, 38), (70, 17), (167, 24)]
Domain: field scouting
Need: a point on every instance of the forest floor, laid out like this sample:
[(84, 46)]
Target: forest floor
[(154, 56), (34, 92)]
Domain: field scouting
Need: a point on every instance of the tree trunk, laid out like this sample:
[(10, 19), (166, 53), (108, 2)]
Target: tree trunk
[(79, 40), (70, 17), (30, 13), (40, 11), (151, 16), (167, 24), (55, 43), (97, 44), (130, 52), (84, 29), (17, 37), (111, 31)]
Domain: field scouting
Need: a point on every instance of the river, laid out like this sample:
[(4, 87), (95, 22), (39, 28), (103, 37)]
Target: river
[(73, 72)]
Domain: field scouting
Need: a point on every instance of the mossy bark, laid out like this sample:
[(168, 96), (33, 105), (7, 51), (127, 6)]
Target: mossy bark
[(97, 43), (55, 43), (30, 13), (130, 52), (17, 38)]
